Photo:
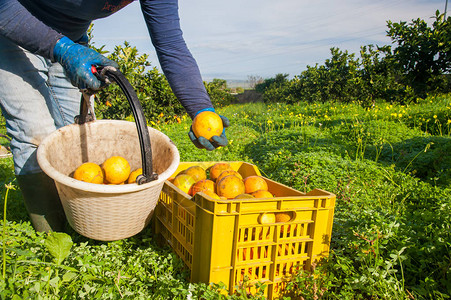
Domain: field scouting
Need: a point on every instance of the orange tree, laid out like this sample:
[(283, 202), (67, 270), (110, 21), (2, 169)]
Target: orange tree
[(417, 64), (152, 88), (423, 52)]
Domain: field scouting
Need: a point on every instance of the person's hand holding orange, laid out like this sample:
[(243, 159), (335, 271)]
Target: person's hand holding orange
[(208, 129)]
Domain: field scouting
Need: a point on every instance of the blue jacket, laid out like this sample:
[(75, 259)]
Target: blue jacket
[(37, 25)]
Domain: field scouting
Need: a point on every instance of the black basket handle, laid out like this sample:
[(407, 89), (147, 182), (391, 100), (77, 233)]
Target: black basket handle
[(111, 74)]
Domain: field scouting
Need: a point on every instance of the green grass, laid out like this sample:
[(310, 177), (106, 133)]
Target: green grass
[(389, 167)]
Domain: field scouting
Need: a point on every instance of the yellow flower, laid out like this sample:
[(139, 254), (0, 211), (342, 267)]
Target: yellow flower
[(161, 115), (107, 103), (435, 116), (400, 115), (449, 121), (179, 121)]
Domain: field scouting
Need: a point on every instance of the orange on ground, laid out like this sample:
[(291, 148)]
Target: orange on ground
[(266, 218), (254, 183), (184, 182), (203, 185), (229, 172), (134, 174), (116, 169), (230, 187), (197, 172), (211, 194), (89, 172), (207, 124), (262, 194), (244, 196), (218, 168)]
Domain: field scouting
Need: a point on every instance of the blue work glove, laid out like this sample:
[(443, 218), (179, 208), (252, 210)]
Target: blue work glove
[(77, 60), (216, 141)]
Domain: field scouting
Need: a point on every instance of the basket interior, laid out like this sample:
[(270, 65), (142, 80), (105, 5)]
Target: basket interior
[(96, 141)]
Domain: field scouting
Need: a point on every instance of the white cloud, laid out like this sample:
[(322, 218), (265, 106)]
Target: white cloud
[(266, 37)]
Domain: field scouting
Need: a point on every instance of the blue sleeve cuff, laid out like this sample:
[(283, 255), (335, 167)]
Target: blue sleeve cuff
[(205, 109)]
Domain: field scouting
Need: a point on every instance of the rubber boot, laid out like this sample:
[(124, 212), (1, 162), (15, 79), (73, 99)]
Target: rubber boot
[(42, 202)]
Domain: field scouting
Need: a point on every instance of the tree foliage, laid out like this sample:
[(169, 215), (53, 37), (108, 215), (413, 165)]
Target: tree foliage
[(150, 85), (423, 52), (416, 65), (152, 88), (219, 93)]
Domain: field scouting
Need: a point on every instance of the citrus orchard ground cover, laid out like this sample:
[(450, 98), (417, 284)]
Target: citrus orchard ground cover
[(388, 165)]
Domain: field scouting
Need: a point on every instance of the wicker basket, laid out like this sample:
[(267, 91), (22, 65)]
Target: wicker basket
[(106, 212)]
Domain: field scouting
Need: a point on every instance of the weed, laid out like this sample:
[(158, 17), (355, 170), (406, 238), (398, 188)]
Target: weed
[(391, 228)]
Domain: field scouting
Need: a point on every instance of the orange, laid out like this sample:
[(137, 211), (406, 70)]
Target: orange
[(258, 250), (113, 183), (116, 169), (211, 194), (197, 172), (285, 249), (184, 182), (254, 183), (262, 194), (266, 218), (218, 168), (134, 174), (228, 172), (283, 217), (89, 172), (207, 124), (230, 187), (203, 185), (244, 196)]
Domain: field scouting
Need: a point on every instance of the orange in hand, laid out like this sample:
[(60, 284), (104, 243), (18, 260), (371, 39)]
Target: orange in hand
[(207, 124)]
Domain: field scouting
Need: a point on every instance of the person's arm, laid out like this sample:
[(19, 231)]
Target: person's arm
[(21, 27), (176, 61), (179, 66)]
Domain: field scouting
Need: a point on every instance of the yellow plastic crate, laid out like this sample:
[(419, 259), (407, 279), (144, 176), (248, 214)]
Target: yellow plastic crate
[(223, 240)]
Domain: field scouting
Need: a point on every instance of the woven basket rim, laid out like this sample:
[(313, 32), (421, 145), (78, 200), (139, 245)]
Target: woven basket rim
[(102, 188)]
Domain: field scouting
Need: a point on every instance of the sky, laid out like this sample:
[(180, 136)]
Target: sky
[(236, 39)]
